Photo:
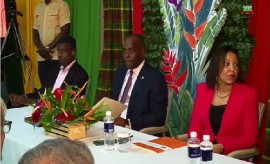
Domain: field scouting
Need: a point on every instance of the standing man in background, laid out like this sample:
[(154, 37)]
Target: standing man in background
[(51, 22)]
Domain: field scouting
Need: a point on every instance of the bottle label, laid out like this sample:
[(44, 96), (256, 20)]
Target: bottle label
[(108, 127), (207, 155), (194, 152)]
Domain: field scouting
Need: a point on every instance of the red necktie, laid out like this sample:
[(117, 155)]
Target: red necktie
[(128, 84)]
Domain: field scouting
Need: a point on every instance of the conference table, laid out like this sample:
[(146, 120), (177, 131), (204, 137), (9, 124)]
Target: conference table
[(24, 136)]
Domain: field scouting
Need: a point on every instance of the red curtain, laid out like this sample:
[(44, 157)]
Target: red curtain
[(137, 16), (3, 26), (258, 74)]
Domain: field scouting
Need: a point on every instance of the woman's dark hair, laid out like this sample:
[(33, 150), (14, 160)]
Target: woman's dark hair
[(217, 63), (68, 39)]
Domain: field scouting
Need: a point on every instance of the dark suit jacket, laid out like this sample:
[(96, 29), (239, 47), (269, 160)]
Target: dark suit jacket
[(149, 97), (239, 125), (76, 76)]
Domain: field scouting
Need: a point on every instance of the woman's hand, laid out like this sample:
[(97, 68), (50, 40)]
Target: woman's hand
[(218, 148)]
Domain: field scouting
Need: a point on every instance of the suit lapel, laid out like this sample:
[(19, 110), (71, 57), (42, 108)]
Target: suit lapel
[(70, 75), (140, 79), (52, 80), (121, 78)]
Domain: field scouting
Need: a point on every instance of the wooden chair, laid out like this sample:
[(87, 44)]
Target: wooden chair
[(244, 153), (162, 129)]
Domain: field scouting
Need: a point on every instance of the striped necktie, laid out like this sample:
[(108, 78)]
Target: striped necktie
[(128, 84)]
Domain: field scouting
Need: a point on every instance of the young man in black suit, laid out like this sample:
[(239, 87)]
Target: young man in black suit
[(68, 71), (147, 96)]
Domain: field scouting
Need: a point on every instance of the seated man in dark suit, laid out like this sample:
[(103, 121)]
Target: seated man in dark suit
[(145, 92), (69, 72)]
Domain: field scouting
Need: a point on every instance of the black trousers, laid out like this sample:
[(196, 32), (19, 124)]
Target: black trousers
[(44, 68)]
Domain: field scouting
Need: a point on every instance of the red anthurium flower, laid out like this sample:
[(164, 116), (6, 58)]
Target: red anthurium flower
[(61, 117), (40, 104), (36, 115), (37, 112), (58, 92)]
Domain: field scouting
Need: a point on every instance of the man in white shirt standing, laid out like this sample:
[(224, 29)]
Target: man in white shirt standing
[(51, 22)]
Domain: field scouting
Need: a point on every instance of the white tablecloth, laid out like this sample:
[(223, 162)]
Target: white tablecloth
[(23, 137)]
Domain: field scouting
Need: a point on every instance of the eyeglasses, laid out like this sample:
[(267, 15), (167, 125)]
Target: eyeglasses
[(7, 126)]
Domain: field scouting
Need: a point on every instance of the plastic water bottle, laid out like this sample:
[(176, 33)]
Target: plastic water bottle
[(194, 152), (206, 150), (109, 140)]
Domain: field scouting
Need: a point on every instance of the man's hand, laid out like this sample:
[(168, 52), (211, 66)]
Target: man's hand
[(17, 100), (44, 53), (120, 121)]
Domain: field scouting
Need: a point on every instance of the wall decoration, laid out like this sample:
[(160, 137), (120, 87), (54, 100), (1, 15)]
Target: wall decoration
[(190, 27)]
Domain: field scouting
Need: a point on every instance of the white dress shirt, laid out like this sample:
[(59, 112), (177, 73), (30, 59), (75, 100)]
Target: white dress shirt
[(62, 75), (136, 72)]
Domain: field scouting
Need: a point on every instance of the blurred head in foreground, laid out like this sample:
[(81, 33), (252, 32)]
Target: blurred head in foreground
[(3, 112), (58, 151)]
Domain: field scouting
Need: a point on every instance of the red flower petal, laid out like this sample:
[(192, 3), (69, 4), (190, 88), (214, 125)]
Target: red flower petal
[(176, 68), (198, 6), (190, 15), (165, 68), (199, 30), (61, 117), (58, 92), (179, 81), (173, 87), (169, 78), (190, 39)]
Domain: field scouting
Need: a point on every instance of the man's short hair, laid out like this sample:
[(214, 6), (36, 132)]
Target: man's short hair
[(139, 37), (58, 151), (67, 39)]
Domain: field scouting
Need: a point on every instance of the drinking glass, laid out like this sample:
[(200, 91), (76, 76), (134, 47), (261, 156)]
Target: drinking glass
[(123, 142)]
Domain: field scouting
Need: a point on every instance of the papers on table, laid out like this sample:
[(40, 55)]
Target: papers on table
[(160, 145)]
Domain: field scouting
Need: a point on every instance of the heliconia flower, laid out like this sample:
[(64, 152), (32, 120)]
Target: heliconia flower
[(58, 92), (171, 68)]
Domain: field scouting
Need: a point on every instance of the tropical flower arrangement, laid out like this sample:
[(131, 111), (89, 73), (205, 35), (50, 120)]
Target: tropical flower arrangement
[(65, 106)]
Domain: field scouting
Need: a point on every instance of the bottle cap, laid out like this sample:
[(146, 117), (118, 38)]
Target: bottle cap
[(108, 113), (193, 134), (206, 137)]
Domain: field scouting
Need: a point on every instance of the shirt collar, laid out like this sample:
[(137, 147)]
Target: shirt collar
[(138, 69), (68, 67), (50, 2)]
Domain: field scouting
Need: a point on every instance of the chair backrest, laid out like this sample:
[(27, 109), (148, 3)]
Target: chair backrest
[(261, 111), (168, 106)]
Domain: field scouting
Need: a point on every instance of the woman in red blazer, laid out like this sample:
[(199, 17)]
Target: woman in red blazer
[(224, 108)]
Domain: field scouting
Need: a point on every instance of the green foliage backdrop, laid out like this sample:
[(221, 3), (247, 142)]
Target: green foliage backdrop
[(155, 39), (235, 31)]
